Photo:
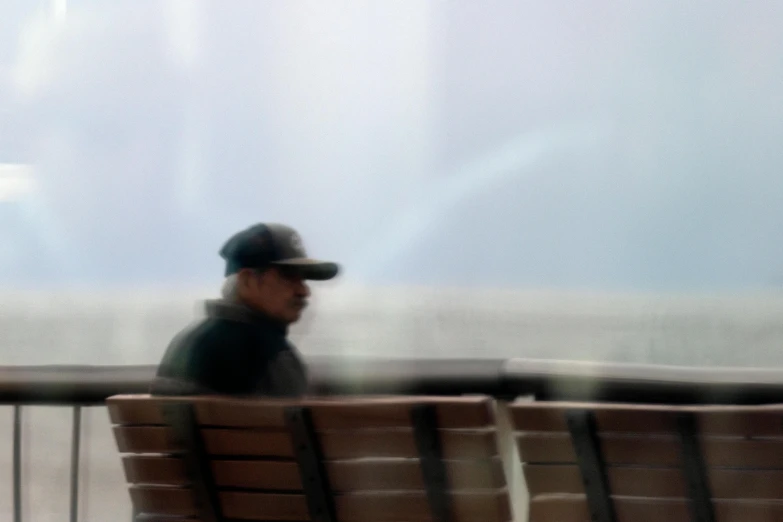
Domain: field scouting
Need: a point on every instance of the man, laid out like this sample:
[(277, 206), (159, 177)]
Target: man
[(240, 348)]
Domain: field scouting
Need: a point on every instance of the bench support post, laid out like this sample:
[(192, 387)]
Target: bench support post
[(181, 417), (309, 456), (581, 424), (425, 432), (694, 470)]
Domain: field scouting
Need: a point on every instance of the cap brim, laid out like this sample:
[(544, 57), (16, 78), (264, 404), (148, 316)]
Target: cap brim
[(312, 269)]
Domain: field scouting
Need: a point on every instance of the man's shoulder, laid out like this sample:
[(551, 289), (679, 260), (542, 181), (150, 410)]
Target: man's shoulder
[(202, 340), (210, 331)]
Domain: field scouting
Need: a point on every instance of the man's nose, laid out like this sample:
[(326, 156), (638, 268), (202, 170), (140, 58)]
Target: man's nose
[(303, 289)]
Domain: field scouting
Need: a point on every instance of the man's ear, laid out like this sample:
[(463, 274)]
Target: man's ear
[(244, 278)]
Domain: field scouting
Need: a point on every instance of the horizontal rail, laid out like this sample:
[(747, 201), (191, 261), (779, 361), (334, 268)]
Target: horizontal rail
[(546, 380)]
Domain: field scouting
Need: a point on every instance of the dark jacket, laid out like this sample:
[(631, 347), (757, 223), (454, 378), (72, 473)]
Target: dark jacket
[(233, 351)]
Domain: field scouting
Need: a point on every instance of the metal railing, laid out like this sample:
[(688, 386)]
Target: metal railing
[(83, 386)]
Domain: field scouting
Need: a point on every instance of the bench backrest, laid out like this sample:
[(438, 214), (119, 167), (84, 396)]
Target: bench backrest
[(362, 460), (633, 463)]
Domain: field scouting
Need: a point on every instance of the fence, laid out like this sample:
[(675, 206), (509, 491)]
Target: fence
[(79, 387)]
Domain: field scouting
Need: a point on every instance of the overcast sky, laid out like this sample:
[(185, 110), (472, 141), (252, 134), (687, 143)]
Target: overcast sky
[(602, 145)]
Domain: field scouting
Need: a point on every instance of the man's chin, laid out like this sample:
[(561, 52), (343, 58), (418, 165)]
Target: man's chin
[(295, 315)]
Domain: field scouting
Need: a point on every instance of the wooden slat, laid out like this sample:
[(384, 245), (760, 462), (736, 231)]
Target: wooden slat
[(452, 413), (746, 484), (170, 471), (631, 482), (413, 507), (662, 451), (757, 421), (406, 474), (557, 448), (257, 474), (746, 421), (336, 445), (143, 439), (573, 508), (534, 416), (134, 410), (328, 414), (241, 413), (344, 475), (381, 507), (151, 517), (163, 501), (248, 443), (162, 471), (179, 501), (145, 410), (743, 453), (730, 511), (156, 439), (264, 506), (400, 444)]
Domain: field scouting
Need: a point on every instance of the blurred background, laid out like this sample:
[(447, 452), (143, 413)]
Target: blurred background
[(564, 180), (541, 179)]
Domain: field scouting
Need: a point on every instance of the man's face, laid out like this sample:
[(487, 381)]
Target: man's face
[(278, 292)]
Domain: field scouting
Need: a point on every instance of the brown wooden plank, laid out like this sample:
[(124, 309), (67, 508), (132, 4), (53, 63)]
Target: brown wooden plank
[(269, 475), (657, 482), (452, 413), (753, 421), (573, 508), (617, 449), (163, 500), (156, 439), (344, 475), (264, 506), (731, 511), (146, 410), (631, 482), (748, 421), (134, 410), (413, 507), (328, 414), (400, 444), (235, 413), (257, 474), (463, 445), (746, 484), (621, 418), (143, 439), (378, 507), (662, 451), (163, 518), (251, 443), (369, 475), (163, 471), (347, 413), (743, 453)]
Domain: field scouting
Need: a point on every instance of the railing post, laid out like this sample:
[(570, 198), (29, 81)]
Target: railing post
[(17, 467), (75, 443)]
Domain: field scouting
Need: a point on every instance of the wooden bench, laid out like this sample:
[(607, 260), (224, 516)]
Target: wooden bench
[(364, 460), (632, 463)]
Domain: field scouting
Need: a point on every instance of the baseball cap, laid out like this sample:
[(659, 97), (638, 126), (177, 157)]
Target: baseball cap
[(271, 244)]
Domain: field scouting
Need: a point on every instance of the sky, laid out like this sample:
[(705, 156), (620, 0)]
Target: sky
[(603, 145)]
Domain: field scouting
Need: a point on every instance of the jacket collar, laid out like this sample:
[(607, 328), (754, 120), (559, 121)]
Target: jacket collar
[(238, 312)]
